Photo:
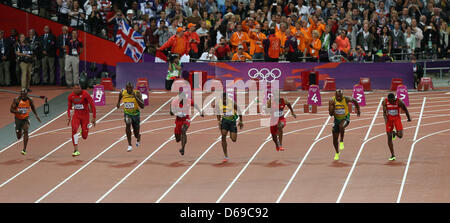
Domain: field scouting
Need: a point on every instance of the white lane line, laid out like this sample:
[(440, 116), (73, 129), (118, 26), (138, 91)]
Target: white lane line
[(198, 159), (30, 135), (412, 148), (434, 123), (51, 152), (147, 158), (96, 157), (411, 152), (301, 163), (250, 160), (359, 152), (420, 119)]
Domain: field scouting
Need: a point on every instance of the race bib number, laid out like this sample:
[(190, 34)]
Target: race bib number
[(278, 113), (393, 112), (129, 105), (339, 111), (229, 113), (23, 110), (181, 114), (74, 52), (79, 106)]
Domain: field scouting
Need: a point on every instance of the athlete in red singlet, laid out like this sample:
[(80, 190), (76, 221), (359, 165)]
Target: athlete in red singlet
[(80, 99), (277, 119), (391, 113), (183, 121)]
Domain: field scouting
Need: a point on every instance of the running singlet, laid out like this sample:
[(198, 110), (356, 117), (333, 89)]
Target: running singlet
[(228, 110), (81, 104), (280, 112), (340, 108), (24, 109), (130, 105), (393, 110), (182, 114)]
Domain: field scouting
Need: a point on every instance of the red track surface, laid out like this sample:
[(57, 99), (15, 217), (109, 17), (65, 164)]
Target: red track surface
[(305, 172)]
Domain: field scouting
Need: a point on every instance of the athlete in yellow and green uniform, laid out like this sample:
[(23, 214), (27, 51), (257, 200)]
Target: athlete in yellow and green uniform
[(338, 107), (227, 114), (132, 101)]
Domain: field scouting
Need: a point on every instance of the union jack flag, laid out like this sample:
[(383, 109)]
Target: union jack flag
[(131, 41)]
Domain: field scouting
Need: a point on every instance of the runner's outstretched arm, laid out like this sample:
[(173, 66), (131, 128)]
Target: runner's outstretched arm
[(355, 102), (34, 109), (92, 105), (403, 107)]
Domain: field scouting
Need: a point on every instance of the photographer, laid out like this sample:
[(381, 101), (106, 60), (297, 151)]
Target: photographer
[(33, 40), (174, 70), (25, 58), (163, 33), (222, 49), (95, 21)]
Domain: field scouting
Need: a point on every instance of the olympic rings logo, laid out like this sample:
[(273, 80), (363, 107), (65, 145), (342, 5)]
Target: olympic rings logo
[(265, 74)]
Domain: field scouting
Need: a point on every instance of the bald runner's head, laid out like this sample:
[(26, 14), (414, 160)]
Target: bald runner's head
[(129, 87), (339, 94)]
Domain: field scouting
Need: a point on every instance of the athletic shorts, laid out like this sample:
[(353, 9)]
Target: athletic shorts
[(397, 122), (274, 128), (229, 125), (78, 120), (135, 120), (337, 123), (179, 124), (19, 123)]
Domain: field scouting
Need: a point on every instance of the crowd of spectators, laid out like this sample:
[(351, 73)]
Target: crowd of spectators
[(251, 30)]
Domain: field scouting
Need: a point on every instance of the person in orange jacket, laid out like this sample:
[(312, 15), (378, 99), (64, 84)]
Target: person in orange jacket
[(239, 38), (178, 43), (241, 55), (315, 45), (256, 46), (193, 39), (343, 42), (272, 46)]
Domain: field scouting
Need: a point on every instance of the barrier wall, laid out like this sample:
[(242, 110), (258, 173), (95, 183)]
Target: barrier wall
[(346, 74), (96, 49)]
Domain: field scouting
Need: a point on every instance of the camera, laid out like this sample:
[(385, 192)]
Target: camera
[(172, 57)]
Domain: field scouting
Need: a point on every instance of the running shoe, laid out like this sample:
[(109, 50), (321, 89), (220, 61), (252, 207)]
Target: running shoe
[(130, 148), (336, 156), (392, 158), (181, 152), (23, 152), (137, 144), (394, 134), (341, 146), (226, 159), (280, 149), (76, 153)]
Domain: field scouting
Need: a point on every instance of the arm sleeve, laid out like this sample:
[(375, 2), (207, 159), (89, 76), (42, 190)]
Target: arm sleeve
[(69, 105), (92, 104)]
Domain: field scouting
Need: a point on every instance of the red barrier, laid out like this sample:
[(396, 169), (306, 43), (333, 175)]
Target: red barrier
[(330, 84), (365, 82), (395, 83), (426, 83), (305, 79)]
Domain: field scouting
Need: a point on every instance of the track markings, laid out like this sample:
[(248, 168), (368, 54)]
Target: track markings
[(51, 152), (359, 152), (30, 135), (148, 157), (250, 160), (96, 157), (411, 152), (303, 160)]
